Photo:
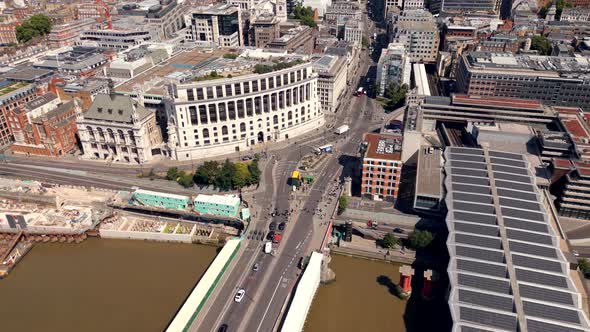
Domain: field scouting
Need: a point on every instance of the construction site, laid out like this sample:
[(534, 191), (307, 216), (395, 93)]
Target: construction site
[(32, 211)]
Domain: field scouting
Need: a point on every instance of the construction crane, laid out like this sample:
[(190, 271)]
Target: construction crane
[(106, 13)]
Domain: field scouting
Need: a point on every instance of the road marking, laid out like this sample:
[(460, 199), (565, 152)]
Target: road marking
[(269, 303)]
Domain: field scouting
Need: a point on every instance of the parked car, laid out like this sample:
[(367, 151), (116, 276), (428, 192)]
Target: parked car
[(222, 328), (272, 226), (246, 158), (398, 230), (256, 267), (270, 235), (282, 226), (240, 295)]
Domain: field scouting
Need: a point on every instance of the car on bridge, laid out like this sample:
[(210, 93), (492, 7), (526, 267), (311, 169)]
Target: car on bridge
[(240, 295)]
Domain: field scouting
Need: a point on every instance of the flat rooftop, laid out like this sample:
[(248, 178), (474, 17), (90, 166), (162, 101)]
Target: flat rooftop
[(152, 80), (383, 146), (429, 173), (506, 269), (539, 64)]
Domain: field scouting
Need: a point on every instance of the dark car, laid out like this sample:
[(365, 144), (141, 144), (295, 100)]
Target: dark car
[(282, 226), (270, 235), (398, 230), (222, 328), (272, 226)]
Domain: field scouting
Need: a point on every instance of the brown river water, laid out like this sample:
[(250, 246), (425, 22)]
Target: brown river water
[(100, 285), (358, 300)]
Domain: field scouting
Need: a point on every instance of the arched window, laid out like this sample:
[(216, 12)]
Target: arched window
[(100, 133), (111, 134), (224, 130), (121, 134), (275, 119), (289, 115), (205, 132), (90, 132), (242, 127), (303, 110)]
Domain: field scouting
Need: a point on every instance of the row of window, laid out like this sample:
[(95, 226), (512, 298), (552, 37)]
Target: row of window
[(240, 88), (240, 109)]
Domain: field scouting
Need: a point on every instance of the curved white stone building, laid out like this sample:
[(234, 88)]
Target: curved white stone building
[(221, 116)]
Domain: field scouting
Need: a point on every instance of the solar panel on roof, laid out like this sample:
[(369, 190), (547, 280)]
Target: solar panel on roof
[(508, 169), (479, 241), (469, 172), (522, 214), (473, 329), (511, 177), (527, 225), (474, 217), (497, 302), (464, 157), (468, 164), (485, 199), (545, 294), (471, 189), (481, 254), (488, 318), (537, 263), (476, 229), (507, 162), (517, 194), (466, 151), (537, 326), (514, 186), (505, 155), (477, 208), (514, 234), (520, 204), (501, 286), (532, 249), (482, 268), (470, 180), (551, 312), (541, 278)]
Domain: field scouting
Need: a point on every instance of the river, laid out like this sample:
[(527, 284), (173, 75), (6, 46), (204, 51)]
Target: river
[(100, 285), (359, 298)]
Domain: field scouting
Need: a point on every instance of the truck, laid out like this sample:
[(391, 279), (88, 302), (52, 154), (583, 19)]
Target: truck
[(342, 129), (267, 247), (360, 92), (326, 148)]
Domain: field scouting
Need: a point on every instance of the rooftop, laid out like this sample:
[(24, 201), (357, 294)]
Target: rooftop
[(40, 101), (531, 64), (383, 146), (216, 9), (115, 108), (507, 271), (428, 176), (218, 199), (7, 87)]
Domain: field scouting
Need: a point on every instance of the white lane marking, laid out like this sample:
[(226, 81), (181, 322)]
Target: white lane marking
[(269, 303)]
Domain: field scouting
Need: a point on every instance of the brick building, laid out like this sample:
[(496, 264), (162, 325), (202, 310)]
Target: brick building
[(382, 166), (8, 32), (12, 95), (44, 127)]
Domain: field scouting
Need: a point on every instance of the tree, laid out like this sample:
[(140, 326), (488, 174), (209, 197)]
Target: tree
[(365, 42), (36, 25), (309, 21), (541, 44), (172, 173), (342, 204), (230, 55), (207, 173), (420, 239), (185, 180), (305, 15), (224, 180), (254, 171), (584, 266), (241, 176), (390, 241), (396, 95)]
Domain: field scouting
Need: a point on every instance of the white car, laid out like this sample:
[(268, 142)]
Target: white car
[(240, 295)]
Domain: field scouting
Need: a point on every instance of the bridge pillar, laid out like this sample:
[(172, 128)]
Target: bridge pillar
[(405, 278), (427, 288)]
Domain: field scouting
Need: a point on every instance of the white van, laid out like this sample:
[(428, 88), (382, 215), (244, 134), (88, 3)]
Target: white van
[(267, 247)]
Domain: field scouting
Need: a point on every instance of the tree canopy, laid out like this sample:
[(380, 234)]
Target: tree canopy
[(228, 175), (342, 204), (305, 15), (390, 241), (396, 95), (420, 239), (584, 266), (35, 26), (541, 44)]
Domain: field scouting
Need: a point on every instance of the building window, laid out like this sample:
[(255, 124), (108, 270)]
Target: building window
[(190, 95)]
